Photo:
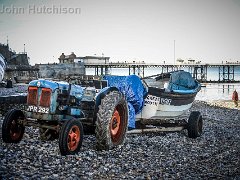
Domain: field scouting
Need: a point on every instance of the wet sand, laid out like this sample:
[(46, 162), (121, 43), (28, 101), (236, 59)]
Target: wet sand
[(224, 103)]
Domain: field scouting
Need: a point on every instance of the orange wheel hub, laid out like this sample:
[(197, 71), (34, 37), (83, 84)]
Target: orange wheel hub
[(115, 123), (73, 138)]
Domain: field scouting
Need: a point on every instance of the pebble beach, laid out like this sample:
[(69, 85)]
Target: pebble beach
[(214, 155)]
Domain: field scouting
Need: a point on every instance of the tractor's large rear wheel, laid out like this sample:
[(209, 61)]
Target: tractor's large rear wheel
[(112, 121), (71, 137), (12, 129)]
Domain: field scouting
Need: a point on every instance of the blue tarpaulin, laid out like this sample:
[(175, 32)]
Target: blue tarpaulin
[(134, 91), (182, 80), (131, 116)]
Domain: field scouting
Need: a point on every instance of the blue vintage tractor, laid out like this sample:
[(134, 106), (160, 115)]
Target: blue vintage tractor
[(63, 110)]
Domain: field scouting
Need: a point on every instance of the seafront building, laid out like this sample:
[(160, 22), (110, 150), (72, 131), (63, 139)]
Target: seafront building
[(18, 67), (69, 65), (72, 58)]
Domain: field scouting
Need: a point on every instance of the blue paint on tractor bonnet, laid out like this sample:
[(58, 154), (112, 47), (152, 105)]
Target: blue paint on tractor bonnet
[(42, 83), (76, 90)]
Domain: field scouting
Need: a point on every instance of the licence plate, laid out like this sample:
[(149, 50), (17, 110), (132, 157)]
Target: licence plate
[(38, 109)]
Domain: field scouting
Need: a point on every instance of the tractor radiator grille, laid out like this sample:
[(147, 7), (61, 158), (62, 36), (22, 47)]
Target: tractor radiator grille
[(45, 97), (32, 96)]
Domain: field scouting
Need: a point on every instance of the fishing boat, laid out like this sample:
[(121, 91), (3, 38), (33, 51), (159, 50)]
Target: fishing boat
[(169, 95), (2, 67), (155, 103)]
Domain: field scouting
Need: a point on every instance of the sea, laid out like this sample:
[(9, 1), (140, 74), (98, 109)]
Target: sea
[(208, 92), (217, 91)]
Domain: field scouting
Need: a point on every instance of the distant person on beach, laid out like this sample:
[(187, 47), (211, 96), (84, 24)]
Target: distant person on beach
[(235, 97)]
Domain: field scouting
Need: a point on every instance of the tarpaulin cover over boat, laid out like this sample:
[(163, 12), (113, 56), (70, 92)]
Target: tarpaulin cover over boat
[(182, 80), (134, 91)]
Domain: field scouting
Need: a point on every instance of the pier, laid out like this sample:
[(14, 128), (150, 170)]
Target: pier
[(227, 73), (223, 73)]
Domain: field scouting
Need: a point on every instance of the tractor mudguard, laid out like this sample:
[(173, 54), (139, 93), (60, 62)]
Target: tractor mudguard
[(103, 93), (100, 96)]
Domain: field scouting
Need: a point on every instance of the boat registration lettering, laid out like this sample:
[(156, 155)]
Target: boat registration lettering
[(152, 100), (165, 101), (38, 109)]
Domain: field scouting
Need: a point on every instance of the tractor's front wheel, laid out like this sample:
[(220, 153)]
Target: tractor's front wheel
[(71, 137), (12, 129), (112, 121)]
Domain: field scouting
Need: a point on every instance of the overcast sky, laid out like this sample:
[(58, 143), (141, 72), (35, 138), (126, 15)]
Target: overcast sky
[(125, 30)]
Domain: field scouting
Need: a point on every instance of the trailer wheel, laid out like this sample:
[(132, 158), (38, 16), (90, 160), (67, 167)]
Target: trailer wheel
[(12, 130), (195, 124), (71, 137), (47, 134), (112, 121)]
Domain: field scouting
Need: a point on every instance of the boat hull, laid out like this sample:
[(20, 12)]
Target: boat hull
[(162, 104)]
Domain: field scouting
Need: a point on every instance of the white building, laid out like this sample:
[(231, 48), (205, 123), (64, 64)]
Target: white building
[(86, 60)]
